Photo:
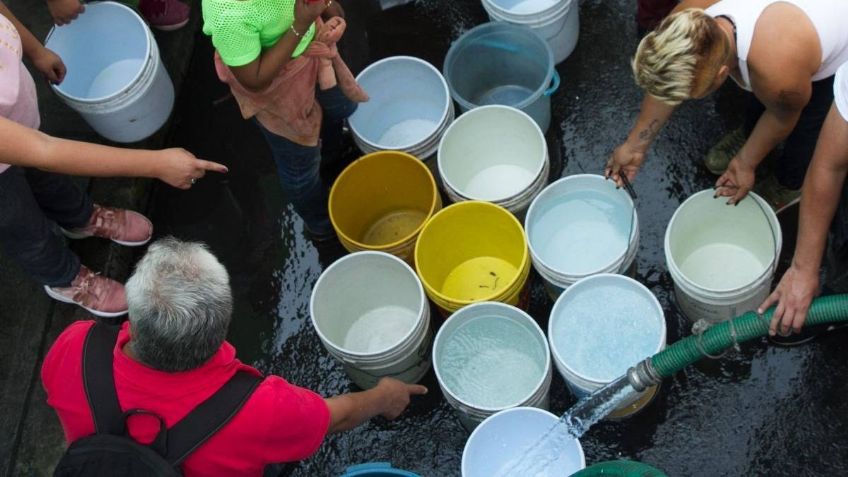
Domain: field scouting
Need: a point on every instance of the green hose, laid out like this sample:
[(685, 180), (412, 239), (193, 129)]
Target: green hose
[(620, 468), (826, 309)]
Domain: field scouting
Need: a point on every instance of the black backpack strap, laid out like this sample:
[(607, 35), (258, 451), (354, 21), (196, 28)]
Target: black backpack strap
[(209, 416), (97, 378)]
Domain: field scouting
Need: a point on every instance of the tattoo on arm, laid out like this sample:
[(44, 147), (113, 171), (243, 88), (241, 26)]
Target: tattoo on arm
[(648, 134)]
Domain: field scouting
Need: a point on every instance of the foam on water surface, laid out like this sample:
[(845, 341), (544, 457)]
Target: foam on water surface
[(379, 329), (492, 361), (605, 329), (410, 131), (393, 226), (581, 232), (498, 182), (114, 77), (478, 278), (722, 266)]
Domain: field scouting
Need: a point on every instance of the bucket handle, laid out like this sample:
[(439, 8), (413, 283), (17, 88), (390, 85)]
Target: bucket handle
[(623, 267), (555, 80), (773, 266)]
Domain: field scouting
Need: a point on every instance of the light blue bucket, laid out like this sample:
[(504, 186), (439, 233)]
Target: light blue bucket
[(116, 79), (376, 469), (408, 110), (501, 63)]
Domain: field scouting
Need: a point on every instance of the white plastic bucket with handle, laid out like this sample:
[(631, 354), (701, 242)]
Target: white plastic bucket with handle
[(599, 328), (370, 312), (556, 21), (722, 258), (490, 356), (579, 226), (115, 80), (497, 154)]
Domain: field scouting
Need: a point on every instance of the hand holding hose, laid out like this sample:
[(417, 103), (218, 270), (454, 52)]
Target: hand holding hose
[(793, 296)]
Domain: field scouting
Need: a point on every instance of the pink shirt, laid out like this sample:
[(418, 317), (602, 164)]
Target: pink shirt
[(18, 99)]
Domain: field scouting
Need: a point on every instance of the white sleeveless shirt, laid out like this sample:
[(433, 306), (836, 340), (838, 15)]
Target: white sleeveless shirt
[(829, 18)]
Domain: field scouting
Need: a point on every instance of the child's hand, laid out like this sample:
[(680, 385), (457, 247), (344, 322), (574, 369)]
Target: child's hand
[(65, 11), (180, 169), (50, 65), (305, 13)]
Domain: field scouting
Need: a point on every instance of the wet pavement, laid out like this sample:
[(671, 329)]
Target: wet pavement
[(765, 410)]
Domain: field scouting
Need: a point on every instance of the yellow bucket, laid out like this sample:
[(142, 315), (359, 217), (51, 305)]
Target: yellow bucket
[(472, 251), (381, 201)]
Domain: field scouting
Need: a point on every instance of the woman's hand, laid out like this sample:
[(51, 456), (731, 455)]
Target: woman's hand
[(50, 65), (736, 181), (793, 296), (180, 169), (65, 11), (624, 158)]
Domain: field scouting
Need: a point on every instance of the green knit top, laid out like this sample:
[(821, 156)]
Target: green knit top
[(241, 29)]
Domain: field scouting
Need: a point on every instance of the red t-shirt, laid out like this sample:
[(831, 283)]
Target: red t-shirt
[(279, 423)]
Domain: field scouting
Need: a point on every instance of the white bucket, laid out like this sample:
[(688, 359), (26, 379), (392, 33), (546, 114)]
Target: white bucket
[(491, 356), (495, 154), (115, 79), (556, 21), (409, 107), (579, 226), (502, 438), (600, 327), (370, 311), (722, 258)]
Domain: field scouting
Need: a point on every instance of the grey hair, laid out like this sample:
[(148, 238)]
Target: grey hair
[(180, 305)]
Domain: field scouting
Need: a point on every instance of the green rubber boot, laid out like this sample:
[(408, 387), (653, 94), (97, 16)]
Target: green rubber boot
[(777, 195), (720, 155)]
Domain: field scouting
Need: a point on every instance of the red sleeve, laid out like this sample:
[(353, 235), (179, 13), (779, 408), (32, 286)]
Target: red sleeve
[(61, 376), (298, 421)]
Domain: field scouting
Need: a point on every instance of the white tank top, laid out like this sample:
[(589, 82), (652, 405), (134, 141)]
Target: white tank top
[(827, 16)]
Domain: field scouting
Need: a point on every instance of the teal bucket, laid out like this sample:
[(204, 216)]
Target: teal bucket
[(501, 63), (376, 469)]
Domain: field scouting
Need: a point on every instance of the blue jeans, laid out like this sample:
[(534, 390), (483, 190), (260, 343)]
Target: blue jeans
[(30, 202), (299, 166)]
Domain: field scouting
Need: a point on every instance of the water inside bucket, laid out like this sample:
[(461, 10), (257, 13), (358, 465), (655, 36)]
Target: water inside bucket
[(379, 328), (393, 227), (407, 132), (509, 95), (581, 232), (498, 182), (478, 278), (527, 6), (722, 266), (604, 329), (492, 361), (114, 77)]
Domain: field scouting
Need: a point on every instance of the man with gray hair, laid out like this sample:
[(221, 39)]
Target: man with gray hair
[(172, 356)]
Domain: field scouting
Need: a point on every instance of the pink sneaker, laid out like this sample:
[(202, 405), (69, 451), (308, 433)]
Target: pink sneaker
[(98, 295), (164, 15), (119, 225)]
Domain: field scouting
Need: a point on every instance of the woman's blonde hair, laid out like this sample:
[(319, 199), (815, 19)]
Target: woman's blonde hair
[(679, 60)]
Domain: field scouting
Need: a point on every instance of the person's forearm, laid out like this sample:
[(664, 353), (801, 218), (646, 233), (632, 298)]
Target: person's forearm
[(29, 42), (355, 408), (23, 146), (652, 117), (259, 75), (821, 192), (771, 129)]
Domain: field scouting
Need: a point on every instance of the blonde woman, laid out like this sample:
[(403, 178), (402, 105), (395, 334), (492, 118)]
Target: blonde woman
[(784, 52)]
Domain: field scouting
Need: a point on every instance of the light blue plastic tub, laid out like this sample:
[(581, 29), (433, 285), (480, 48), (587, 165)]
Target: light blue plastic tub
[(408, 110), (376, 469), (501, 63)]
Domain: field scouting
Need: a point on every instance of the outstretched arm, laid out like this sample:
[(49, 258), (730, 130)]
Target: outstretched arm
[(388, 399), (628, 157), (819, 198), (23, 146)]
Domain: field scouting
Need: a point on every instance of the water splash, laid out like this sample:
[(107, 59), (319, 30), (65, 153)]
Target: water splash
[(536, 459)]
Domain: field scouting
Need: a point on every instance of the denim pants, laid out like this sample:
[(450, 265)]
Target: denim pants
[(31, 200), (799, 145), (836, 255), (299, 166)]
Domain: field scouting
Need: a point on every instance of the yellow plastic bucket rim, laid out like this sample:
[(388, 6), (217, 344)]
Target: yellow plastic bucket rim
[(523, 269), (436, 203)]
